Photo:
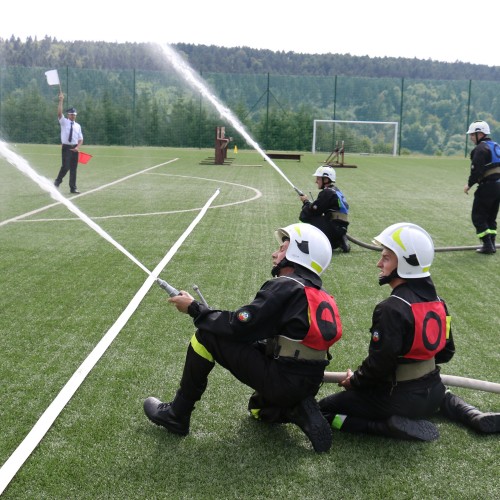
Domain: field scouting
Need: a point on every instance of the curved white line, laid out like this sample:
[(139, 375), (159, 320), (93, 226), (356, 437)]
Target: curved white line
[(41, 209), (257, 195)]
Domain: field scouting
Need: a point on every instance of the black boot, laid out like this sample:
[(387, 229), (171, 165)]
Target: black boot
[(309, 418), (493, 242), (457, 409), (404, 428), (174, 416), (259, 409), (488, 246)]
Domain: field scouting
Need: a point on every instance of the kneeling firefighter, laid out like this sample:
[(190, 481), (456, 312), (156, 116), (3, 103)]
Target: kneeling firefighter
[(398, 385), (298, 320), (329, 212)]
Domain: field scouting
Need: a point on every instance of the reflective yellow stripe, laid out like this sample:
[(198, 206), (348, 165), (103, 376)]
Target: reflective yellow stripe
[(448, 326), (488, 231), (201, 349), (255, 414), (396, 236), (316, 267), (338, 421)]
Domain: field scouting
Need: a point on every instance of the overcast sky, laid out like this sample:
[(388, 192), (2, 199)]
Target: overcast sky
[(441, 30)]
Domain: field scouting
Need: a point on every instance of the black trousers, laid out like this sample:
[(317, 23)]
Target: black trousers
[(334, 229), (281, 382), (420, 398), (485, 206), (69, 163)]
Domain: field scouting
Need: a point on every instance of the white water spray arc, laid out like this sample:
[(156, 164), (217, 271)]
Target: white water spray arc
[(195, 81), (22, 165)]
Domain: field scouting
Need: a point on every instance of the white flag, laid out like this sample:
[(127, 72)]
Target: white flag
[(52, 77)]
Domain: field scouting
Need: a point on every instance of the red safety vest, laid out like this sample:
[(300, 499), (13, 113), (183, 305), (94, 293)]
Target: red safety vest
[(430, 330), (325, 327)]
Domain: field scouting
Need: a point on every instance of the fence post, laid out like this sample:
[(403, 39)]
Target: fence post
[(334, 111), (468, 119), (134, 111), (266, 145), (401, 115)]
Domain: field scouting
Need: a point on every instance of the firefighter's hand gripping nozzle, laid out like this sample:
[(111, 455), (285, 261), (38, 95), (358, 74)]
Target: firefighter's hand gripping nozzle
[(298, 191), (168, 288)]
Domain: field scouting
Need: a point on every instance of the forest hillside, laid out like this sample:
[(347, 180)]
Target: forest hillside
[(50, 52)]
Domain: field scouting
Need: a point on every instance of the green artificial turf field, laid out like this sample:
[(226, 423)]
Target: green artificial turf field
[(64, 286)]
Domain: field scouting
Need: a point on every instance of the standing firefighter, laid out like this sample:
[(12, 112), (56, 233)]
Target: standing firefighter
[(329, 212), (485, 172), (398, 384), (298, 321)]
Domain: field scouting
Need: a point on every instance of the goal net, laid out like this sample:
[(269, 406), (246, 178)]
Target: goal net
[(356, 136)]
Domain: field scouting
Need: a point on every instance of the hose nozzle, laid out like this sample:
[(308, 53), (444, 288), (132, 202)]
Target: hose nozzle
[(168, 288)]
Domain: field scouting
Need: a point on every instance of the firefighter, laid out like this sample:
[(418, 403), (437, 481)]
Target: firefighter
[(329, 212), (485, 172), (398, 385), (277, 345)]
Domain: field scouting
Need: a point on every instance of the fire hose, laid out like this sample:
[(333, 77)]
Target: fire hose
[(438, 249), (452, 380)]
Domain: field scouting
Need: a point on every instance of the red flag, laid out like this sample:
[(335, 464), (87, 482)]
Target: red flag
[(83, 157)]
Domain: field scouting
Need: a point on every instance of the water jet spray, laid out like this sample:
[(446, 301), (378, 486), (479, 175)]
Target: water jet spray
[(22, 165), (195, 81)]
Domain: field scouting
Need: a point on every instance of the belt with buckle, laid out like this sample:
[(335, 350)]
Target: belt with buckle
[(338, 216), (294, 349), (411, 371)]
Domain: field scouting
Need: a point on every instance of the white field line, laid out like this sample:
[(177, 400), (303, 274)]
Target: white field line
[(10, 468), (46, 207), (257, 195)]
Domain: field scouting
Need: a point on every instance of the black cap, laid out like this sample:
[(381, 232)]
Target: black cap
[(71, 111)]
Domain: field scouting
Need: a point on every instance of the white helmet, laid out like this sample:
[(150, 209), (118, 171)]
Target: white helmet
[(308, 247), (326, 171), (479, 126), (413, 247)]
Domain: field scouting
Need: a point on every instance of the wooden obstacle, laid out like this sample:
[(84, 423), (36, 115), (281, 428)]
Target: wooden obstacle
[(221, 143), (211, 160), (336, 158), (284, 156)]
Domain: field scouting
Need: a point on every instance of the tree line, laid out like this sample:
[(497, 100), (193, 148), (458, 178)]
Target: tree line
[(50, 52), (125, 104)]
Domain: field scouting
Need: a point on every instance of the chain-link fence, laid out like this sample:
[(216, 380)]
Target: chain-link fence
[(146, 108)]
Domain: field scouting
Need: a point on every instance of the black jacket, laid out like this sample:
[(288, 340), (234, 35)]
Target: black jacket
[(326, 201), (480, 158), (392, 333), (279, 308)]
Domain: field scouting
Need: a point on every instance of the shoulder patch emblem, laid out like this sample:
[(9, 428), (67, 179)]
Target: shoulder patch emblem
[(375, 336), (243, 316)]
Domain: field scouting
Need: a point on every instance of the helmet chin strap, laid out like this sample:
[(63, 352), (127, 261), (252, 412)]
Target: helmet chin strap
[(283, 263), (385, 280)]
